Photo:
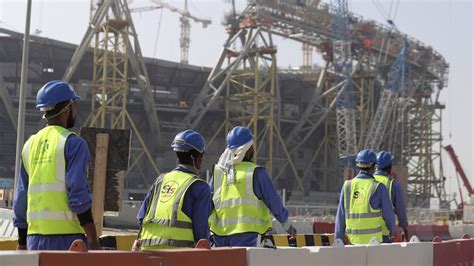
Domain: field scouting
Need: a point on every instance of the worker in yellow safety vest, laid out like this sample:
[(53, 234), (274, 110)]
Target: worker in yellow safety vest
[(395, 192), (52, 204), (244, 197), (176, 209), (364, 205)]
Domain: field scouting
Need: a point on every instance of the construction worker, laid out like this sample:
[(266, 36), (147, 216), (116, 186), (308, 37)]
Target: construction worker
[(395, 192), (52, 204), (176, 209), (243, 195), (364, 205)]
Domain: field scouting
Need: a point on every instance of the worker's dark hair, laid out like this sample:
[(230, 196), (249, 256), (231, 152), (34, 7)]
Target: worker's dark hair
[(364, 169), (58, 108), (187, 157), (387, 169)]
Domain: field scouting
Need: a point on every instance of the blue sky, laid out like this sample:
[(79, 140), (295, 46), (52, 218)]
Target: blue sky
[(446, 25)]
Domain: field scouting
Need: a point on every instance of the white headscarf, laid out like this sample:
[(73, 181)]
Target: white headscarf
[(231, 157)]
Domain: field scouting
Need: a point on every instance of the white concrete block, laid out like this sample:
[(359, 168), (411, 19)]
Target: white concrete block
[(420, 254), (303, 227), (14, 258), (456, 231), (278, 257), (330, 256), (468, 229)]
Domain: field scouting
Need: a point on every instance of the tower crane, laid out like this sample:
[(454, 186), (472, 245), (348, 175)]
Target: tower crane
[(342, 63), (185, 19), (185, 26)]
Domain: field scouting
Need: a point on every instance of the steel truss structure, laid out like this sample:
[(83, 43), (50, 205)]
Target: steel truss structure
[(113, 53), (375, 51)]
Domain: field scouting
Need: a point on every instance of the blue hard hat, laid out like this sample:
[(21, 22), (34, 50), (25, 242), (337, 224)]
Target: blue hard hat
[(365, 158), (54, 92), (188, 140), (384, 159), (238, 136)]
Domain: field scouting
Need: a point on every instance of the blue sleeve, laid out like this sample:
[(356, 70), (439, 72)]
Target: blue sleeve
[(197, 206), (399, 204), (265, 191), (77, 161), (19, 203), (146, 202), (380, 200), (340, 226)]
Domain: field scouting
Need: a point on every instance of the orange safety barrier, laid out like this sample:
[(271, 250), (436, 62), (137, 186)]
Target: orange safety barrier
[(323, 228), (442, 231), (453, 252), (201, 256), (423, 232), (97, 258)]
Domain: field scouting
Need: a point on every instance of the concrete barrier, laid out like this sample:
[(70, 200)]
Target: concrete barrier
[(14, 258), (331, 256), (420, 254), (458, 230), (278, 257)]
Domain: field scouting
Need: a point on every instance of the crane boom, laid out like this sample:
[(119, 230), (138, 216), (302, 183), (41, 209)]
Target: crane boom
[(395, 83), (184, 13), (459, 169)]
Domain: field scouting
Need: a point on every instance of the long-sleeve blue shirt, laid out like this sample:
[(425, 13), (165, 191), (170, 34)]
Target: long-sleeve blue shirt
[(77, 159), (196, 205), (397, 201), (379, 200), (264, 190)]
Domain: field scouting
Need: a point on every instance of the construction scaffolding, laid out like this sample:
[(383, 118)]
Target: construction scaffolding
[(379, 57)]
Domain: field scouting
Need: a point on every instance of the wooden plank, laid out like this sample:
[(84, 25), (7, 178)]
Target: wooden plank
[(117, 162), (100, 175)]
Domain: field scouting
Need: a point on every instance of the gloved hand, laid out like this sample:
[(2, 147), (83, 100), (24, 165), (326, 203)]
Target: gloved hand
[(407, 236), (291, 231), (289, 228)]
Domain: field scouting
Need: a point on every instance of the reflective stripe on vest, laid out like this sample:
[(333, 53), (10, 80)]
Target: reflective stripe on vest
[(165, 224), (236, 207), (388, 182), (362, 221), (48, 212)]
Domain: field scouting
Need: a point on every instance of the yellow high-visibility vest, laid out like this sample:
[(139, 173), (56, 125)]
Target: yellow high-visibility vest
[(236, 207), (48, 212), (387, 181), (165, 224), (362, 221)]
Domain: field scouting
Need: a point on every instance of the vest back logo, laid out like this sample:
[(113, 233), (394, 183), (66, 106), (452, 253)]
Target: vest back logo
[(168, 190), (359, 196)]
